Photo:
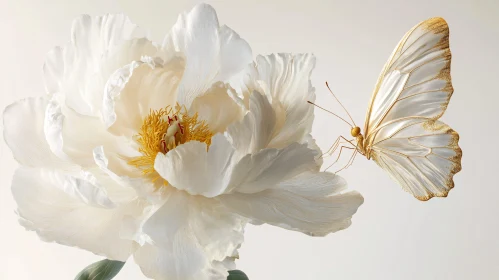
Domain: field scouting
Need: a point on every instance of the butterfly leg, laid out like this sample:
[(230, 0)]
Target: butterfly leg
[(333, 147), (350, 162), (336, 145), (339, 154), (355, 147)]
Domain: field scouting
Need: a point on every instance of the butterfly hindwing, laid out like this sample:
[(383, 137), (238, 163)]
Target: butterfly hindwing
[(423, 157)]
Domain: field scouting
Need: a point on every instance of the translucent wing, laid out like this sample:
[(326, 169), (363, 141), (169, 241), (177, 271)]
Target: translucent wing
[(422, 157), (402, 133)]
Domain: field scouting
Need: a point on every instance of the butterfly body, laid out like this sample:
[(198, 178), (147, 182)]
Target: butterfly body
[(359, 139)]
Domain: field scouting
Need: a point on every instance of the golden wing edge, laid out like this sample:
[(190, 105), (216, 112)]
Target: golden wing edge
[(456, 160), (456, 168), (436, 24)]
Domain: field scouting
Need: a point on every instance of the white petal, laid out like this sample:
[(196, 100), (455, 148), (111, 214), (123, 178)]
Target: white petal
[(130, 184), (213, 168), (217, 108), (118, 57), (183, 261), (123, 179), (191, 236), (102, 161), (62, 217), (132, 225), (53, 123), (235, 53), (135, 89), (70, 137), (285, 78), (255, 131), (115, 84), (84, 189), (265, 169), (310, 204), (53, 70), (24, 134), (80, 68), (310, 184), (228, 264), (212, 53), (215, 228), (311, 144)]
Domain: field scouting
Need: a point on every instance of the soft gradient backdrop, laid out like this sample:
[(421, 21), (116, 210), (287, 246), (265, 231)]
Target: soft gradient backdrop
[(393, 235)]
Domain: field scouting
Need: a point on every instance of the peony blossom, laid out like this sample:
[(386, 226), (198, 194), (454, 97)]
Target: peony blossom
[(164, 152)]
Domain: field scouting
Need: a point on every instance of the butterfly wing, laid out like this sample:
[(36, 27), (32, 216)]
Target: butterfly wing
[(402, 132)]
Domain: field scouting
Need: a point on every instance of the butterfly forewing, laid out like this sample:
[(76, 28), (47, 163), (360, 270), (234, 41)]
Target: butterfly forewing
[(402, 129)]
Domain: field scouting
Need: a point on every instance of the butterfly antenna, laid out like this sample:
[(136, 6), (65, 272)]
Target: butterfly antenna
[(330, 113), (327, 85)]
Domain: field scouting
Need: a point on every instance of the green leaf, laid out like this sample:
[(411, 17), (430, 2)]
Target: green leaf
[(237, 275), (101, 270)]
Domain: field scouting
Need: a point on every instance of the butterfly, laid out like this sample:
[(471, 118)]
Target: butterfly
[(402, 132)]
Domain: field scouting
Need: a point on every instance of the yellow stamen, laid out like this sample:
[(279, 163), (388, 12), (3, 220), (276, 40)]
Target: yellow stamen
[(163, 130)]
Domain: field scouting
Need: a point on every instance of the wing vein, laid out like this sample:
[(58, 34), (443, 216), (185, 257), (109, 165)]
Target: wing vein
[(396, 120), (410, 45), (420, 83), (391, 106), (424, 175), (444, 158), (419, 93), (425, 53), (387, 151), (423, 64), (399, 130), (407, 187)]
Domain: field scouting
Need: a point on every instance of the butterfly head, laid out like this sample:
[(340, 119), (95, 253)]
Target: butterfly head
[(355, 131)]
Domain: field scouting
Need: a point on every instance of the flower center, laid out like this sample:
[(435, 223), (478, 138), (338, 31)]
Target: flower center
[(162, 131)]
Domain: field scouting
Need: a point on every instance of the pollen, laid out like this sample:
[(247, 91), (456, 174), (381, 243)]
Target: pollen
[(162, 131)]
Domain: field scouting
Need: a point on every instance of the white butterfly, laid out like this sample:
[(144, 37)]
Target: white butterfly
[(402, 132)]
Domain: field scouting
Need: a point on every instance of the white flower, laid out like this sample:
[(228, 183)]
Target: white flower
[(165, 152)]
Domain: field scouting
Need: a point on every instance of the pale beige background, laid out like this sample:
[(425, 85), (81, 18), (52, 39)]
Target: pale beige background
[(393, 236)]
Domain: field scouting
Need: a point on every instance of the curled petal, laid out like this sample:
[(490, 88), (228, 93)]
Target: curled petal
[(255, 131), (68, 135), (131, 183), (135, 89), (217, 108), (212, 53), (104, 43), (192, 236), (59, 208), (265, 169), (311, 143), (285, 79), (24, 133), (311, 204), (184, 260), (213, 168)]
